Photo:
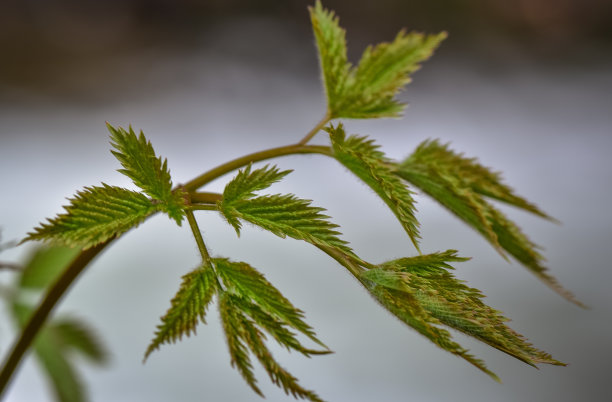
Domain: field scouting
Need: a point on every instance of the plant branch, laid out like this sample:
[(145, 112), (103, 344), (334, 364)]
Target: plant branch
[(198, 237), (315, 129), (254, 157), (205, 198), (55, 293)]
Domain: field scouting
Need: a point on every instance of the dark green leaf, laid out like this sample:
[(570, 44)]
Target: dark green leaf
[(73, 334)]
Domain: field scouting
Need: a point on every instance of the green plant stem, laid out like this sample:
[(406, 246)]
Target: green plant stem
[(232, 165), (315, 129), (205, 198), (38, 318), (198, 237), (57, 290)]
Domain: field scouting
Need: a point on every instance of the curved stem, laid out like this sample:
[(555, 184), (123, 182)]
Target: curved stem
[(254, 157), (315, 129), (39, 317), (205, 197), (62, 284)]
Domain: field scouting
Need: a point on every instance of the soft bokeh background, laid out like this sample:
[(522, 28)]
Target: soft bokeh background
[(523, 84)]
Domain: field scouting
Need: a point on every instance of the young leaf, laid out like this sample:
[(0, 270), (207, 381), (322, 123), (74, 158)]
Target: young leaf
[(146, 170), (187, 308), (246, 281), (242, 333), (369, 89), (246, 182), (331, 43), (283, 215), (44, 266), (383, 71), (406, 307), (95, 215), (362, 157), (460, 184), (472, 174), (427, 278)]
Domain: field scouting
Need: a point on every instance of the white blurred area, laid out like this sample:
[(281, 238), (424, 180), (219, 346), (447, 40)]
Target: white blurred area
[(544, 124)]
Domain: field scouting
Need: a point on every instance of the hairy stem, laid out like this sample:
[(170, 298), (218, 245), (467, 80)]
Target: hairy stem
[(57, 290)]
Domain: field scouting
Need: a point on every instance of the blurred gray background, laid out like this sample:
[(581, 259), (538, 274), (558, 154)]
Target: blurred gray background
[(522, 84)]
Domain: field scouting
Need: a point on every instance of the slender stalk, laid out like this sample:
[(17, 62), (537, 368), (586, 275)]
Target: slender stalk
[(57, 290), (254, 157), (315, 129), (198, 237), (204, 207), (205, 198), (54, 294)]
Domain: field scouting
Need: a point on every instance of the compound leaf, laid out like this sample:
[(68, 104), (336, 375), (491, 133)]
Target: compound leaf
[(362, 157), (95, 215), (187, 308), (460, 184), (367, 90), (428, 279), (244, 280), (146, 169), (283, 215), (242, 332)]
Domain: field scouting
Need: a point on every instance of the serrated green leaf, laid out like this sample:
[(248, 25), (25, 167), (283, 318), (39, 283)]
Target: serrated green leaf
[(44, 265), (460, 184), (472, 174), (383, 71), (95, 215), (242, 333), (246, 281), (428, 280), (407, 308), (246, 182), (362, 157), (147, 170), (331, 44), (188, 307), (367, 90), (283, 215), (73, 334)]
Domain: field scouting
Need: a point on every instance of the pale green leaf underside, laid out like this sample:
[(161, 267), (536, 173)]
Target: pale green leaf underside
[(95, 215), (188, 308), (461, 184), (146, 169), (423, 293), (362, 157), (367, 90)]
